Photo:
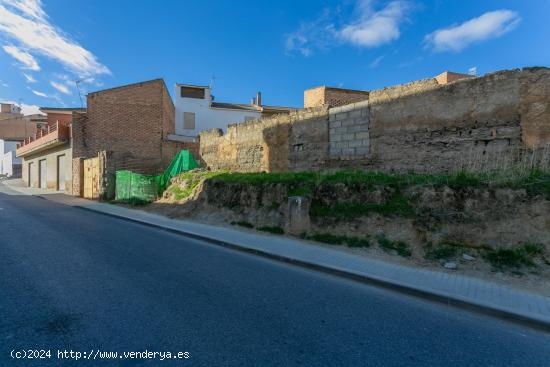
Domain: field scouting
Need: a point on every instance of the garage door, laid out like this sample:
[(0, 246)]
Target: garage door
[(61, 172), (42, 172)]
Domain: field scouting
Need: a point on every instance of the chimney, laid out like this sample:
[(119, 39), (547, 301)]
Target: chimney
[(259, 99)]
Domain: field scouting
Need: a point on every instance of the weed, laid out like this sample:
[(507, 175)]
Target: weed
[(274, 205), (300, 191), (400, 247), (506, 259), (271, 229), (398, 205), (444, 250), (340, 240), (242, 223)]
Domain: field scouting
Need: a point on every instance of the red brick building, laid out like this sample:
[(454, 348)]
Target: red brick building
[(127, 127)]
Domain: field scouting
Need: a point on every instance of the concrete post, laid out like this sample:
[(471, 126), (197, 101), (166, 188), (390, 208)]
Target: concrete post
[(297, 216)]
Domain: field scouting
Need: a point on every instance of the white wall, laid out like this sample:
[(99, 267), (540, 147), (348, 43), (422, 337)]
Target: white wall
[(7, 157), (205, 116), (6, 164)]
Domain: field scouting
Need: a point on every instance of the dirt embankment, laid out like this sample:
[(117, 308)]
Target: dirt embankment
[(499, 231)]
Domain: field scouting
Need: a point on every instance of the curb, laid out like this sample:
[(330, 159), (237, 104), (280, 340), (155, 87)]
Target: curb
[(539, 323)]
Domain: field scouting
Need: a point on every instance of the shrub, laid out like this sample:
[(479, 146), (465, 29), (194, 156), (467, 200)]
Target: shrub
[(271, 229), (400, 247), (340, 240), (243, 223)]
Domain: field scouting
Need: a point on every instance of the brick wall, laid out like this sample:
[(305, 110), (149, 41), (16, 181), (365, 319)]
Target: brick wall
[(332, 97), (473, 123), (63, 118)]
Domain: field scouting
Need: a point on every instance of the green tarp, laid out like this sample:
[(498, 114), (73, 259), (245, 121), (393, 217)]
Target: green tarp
[(134, 186)]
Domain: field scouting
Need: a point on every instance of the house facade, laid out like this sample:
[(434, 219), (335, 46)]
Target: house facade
[(127, 126), (47, 154), (196, 110)]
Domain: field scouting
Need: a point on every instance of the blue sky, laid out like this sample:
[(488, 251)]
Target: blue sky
[(279, 47)]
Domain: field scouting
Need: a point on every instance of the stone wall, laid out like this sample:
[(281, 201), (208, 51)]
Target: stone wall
[(298, 140), (472, 123)]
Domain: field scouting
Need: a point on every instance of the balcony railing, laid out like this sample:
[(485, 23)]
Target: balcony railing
[(50, 136)]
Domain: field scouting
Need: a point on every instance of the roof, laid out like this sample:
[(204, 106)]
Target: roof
[(235, 106), (192, 86), (62, 109), (341, 89), (130, 85)]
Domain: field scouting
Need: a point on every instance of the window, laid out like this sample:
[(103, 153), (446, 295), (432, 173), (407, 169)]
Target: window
[(191, 92), (189, 120)]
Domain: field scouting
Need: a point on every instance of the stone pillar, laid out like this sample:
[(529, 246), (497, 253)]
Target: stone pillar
[(297, 216)]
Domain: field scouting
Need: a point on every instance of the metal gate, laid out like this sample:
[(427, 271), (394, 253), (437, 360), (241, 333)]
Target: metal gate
[(61, 172), (91, 178), (42, 173)]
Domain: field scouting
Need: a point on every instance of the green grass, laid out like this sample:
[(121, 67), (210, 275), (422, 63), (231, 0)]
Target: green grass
[(193, 181), (398, 205), (271, 229), (242, 223), (534, 182), (340, 240), (300, 191), (443, 250), (507, 259), (400, 247)]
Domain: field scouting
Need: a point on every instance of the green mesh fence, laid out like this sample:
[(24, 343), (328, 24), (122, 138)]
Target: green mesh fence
[(132, 186)]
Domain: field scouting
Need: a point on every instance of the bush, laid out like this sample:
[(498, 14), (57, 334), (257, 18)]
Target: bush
[(400, 247), (340, 240), (273, 229)]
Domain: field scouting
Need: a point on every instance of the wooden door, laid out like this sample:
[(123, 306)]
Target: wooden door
[(91, 178)]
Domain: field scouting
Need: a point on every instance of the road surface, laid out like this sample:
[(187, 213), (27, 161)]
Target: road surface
[(73, 280)]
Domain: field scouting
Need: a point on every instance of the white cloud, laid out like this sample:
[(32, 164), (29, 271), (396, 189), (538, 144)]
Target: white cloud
[(30, 109), (25, 58), (492, 24), (374, 63), (316, 35), (26, 109), (60, 87), (376, 28), (29, 78), (26, 22), (368, 27), (39, 94)]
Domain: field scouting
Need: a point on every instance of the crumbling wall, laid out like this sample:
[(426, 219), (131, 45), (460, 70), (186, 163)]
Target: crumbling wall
[(473, 123), (294, 141)]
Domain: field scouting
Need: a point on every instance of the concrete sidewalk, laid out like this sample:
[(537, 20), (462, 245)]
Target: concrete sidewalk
[(452, 289)]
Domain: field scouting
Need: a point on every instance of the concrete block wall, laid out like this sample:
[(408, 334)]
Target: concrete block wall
[(349, 135)]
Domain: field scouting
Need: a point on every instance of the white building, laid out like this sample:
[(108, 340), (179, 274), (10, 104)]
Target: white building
[(196, 110), (10, 164), (9, 108)]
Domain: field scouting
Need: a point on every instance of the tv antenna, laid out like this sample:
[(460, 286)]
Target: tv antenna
[(77, 83)]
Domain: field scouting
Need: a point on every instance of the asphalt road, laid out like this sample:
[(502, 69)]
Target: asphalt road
[(76, 280)]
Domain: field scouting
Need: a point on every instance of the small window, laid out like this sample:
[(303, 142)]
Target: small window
[(298, 147), (190, 92), (189, 120)]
